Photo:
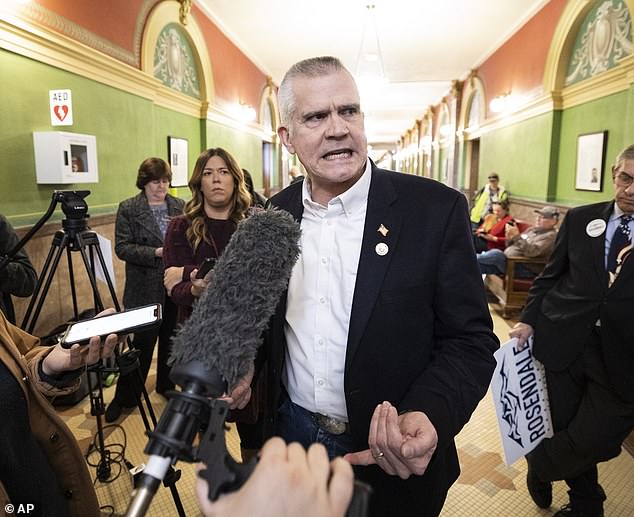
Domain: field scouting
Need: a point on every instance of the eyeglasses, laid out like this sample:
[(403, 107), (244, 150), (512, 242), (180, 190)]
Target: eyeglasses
[(624, 178)]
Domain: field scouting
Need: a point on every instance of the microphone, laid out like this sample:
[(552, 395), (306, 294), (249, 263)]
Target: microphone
[(226, 325), (217, 345)]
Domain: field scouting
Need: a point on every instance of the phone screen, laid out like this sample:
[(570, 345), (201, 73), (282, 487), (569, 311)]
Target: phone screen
[(112, 324)]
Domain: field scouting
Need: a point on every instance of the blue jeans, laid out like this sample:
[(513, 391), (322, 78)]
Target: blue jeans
[(296, 424), (492, 262)]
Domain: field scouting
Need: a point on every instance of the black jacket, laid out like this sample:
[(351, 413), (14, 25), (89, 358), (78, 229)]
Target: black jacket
[(572, 294), (420, 333)]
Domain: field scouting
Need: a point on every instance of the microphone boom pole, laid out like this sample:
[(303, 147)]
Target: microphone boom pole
[(217, 345), (185, 414)]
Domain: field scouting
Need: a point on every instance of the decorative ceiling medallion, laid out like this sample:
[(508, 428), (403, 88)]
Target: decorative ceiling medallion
[(604, 38), (174, 62)]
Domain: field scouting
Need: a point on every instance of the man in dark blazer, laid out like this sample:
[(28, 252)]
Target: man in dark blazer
[(580, 312), (383, 346)]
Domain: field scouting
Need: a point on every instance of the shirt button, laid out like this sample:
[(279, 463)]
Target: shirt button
[(322, 300), (320, 382), (324, 260)]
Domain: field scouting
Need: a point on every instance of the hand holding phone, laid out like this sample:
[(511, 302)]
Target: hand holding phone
[(120, 323), (205, 267), (61, 359)]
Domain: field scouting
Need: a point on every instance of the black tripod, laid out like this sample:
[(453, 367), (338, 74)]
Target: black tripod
[(76, 237)]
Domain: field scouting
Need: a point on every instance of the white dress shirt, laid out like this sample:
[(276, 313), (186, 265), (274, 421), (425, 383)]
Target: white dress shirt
[(320, 293)]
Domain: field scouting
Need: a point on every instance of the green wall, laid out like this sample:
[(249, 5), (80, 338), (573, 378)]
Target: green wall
[(244, 147), (608, 113), (520, 154), (536, 158), (128, 129)]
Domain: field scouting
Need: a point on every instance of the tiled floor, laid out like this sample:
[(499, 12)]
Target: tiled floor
[(487, 487)]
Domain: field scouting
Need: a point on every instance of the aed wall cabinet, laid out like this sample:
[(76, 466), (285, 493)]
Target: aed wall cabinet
[(62, 157)]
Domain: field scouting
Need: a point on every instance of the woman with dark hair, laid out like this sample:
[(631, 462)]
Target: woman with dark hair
[(139, 233)]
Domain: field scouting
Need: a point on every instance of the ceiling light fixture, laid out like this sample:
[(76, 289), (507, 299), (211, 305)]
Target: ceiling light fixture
[(369, 70)]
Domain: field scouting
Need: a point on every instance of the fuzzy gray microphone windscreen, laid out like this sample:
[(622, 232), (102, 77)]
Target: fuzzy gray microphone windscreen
[(225, 328)]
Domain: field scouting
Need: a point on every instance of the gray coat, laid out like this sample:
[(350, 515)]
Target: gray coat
[(137, 236)]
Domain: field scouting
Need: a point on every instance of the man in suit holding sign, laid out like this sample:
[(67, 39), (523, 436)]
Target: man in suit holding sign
[(580, 312)]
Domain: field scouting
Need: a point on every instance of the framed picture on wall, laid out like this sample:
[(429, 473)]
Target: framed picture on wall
[(590, 161), (177, 151)]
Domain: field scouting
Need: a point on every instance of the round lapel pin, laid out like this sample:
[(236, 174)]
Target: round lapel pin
[(595, 227), (381, 249)]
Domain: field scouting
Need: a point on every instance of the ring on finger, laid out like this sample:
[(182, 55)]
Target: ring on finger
[(379, 455)]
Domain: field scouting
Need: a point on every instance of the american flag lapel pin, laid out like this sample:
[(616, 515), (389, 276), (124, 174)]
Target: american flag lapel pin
[(383, 230)]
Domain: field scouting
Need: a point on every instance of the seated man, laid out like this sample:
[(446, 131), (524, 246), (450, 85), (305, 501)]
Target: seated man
[(40, 461), (537, 242)]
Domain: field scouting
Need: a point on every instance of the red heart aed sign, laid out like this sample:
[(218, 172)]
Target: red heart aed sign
[(60, 111)]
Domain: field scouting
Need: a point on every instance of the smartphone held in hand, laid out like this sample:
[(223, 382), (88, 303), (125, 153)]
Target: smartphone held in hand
[(120, 323), (205, 267)]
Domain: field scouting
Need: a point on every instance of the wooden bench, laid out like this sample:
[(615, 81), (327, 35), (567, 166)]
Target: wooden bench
[(510, 291)]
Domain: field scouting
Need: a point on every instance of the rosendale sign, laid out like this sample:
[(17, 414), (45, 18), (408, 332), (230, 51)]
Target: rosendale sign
[(521, 400)]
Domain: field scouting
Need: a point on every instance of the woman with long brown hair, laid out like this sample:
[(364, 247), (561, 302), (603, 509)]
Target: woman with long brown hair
[(220, 200)]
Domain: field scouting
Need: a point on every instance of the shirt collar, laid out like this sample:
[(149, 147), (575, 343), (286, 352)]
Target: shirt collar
[(350, 200), (616, 213)]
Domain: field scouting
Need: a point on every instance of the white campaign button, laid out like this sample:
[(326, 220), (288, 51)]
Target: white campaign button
[(596, 227), (381, 249)]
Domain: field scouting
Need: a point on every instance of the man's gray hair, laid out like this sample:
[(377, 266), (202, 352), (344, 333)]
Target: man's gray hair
[(625, 154), (312, 67)]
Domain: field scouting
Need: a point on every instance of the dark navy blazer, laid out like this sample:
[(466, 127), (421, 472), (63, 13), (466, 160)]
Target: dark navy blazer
[(420, 332)]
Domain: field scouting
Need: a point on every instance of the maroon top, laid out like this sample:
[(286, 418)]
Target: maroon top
[(498, 230), (178, 251)]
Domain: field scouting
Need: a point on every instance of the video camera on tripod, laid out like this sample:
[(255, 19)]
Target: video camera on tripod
[(74, 236), (73, 204)]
